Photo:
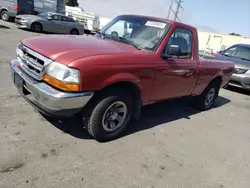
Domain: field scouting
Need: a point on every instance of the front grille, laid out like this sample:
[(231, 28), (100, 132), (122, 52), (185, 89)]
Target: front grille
[(32, 63)]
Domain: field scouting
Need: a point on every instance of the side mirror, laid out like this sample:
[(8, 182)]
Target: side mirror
[(49, 18), (173, 50)]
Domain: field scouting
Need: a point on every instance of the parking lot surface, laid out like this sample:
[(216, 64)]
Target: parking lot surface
[(173, 144)]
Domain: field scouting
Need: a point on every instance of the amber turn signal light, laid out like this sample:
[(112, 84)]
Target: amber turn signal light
[(60, 84)]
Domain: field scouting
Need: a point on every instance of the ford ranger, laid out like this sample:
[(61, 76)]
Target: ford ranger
[(107, 78)]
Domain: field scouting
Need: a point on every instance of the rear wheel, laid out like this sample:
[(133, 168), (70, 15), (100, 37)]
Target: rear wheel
[(206, 99), (74, 32), (109, 115), (36, 27), (5, 15)]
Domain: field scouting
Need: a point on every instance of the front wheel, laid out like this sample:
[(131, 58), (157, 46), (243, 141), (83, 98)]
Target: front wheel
[(5, 16), (74, 32), (206, 99), (36, 27), (110, 115)]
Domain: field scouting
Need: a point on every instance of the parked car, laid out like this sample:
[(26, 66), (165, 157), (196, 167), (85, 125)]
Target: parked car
[(105, 79), (239, 54), (50, 22), (11, 8), (57, 6)]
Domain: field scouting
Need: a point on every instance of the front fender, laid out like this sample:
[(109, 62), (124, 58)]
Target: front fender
[(121, 77), (218, 74)]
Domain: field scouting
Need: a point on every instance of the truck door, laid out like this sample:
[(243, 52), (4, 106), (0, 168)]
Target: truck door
[(25, 6), (175, 76)]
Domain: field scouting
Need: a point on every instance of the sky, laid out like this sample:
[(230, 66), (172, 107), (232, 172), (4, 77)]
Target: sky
[(222, 16)]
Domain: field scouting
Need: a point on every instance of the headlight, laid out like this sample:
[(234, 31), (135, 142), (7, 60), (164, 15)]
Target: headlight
[(240, 71), (19, 54), (62, 77)]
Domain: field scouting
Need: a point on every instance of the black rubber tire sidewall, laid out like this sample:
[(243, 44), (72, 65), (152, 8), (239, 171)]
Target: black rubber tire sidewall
[(77, 32), (5, 12), (200, 100), (94, 125), (41, 28)]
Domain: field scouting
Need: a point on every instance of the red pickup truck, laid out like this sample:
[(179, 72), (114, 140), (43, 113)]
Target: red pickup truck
[(107, 78)]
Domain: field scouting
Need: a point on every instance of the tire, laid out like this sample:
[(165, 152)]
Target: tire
[(87, 32), (5, 15), (74, 32), (97, 123), (36, 27), (209, 95)]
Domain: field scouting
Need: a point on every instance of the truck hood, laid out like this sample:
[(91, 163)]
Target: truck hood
[(65, 49)]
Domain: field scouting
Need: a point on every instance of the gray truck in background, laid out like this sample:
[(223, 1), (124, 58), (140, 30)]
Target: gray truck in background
[(11, 8), (57, 6)]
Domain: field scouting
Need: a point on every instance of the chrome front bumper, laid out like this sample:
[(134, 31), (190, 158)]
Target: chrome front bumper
[(241, 81), (45, 98)]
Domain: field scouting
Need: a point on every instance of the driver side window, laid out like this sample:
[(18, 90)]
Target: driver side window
[(183, 38), (56, 17)]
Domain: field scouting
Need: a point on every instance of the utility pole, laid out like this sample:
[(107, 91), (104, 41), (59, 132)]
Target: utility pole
[(177, 11)]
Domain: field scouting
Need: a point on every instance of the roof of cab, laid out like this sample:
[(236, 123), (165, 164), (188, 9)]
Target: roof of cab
[(161, 19)]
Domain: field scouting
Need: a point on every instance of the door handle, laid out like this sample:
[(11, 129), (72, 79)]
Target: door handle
[(191, 68)]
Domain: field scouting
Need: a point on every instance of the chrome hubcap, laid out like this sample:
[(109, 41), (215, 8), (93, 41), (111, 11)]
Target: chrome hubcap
[(5, 16), (74, 32), (210, 97), (114, 116), (36, 28)]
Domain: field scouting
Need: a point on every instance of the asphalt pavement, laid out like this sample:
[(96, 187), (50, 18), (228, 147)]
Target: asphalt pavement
[(172, 146)]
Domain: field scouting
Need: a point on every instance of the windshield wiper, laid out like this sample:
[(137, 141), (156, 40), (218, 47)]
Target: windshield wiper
[(130, 42)]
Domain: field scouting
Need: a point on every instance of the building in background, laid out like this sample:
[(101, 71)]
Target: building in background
[(211, 42)]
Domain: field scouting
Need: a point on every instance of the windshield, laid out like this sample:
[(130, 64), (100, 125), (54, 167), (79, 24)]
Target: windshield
[(144, 32), (44, 14), (240, 52)]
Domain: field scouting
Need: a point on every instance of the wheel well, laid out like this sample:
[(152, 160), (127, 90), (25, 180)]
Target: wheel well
[(3, 10), (128, 86), (218, 80), (132, 89)]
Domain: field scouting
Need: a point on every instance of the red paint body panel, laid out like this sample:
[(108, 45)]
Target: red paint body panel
[(65, 49), (103, 62)]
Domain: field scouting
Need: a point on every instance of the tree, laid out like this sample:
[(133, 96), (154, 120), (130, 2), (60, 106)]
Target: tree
[(235, 34), (72, 3)]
